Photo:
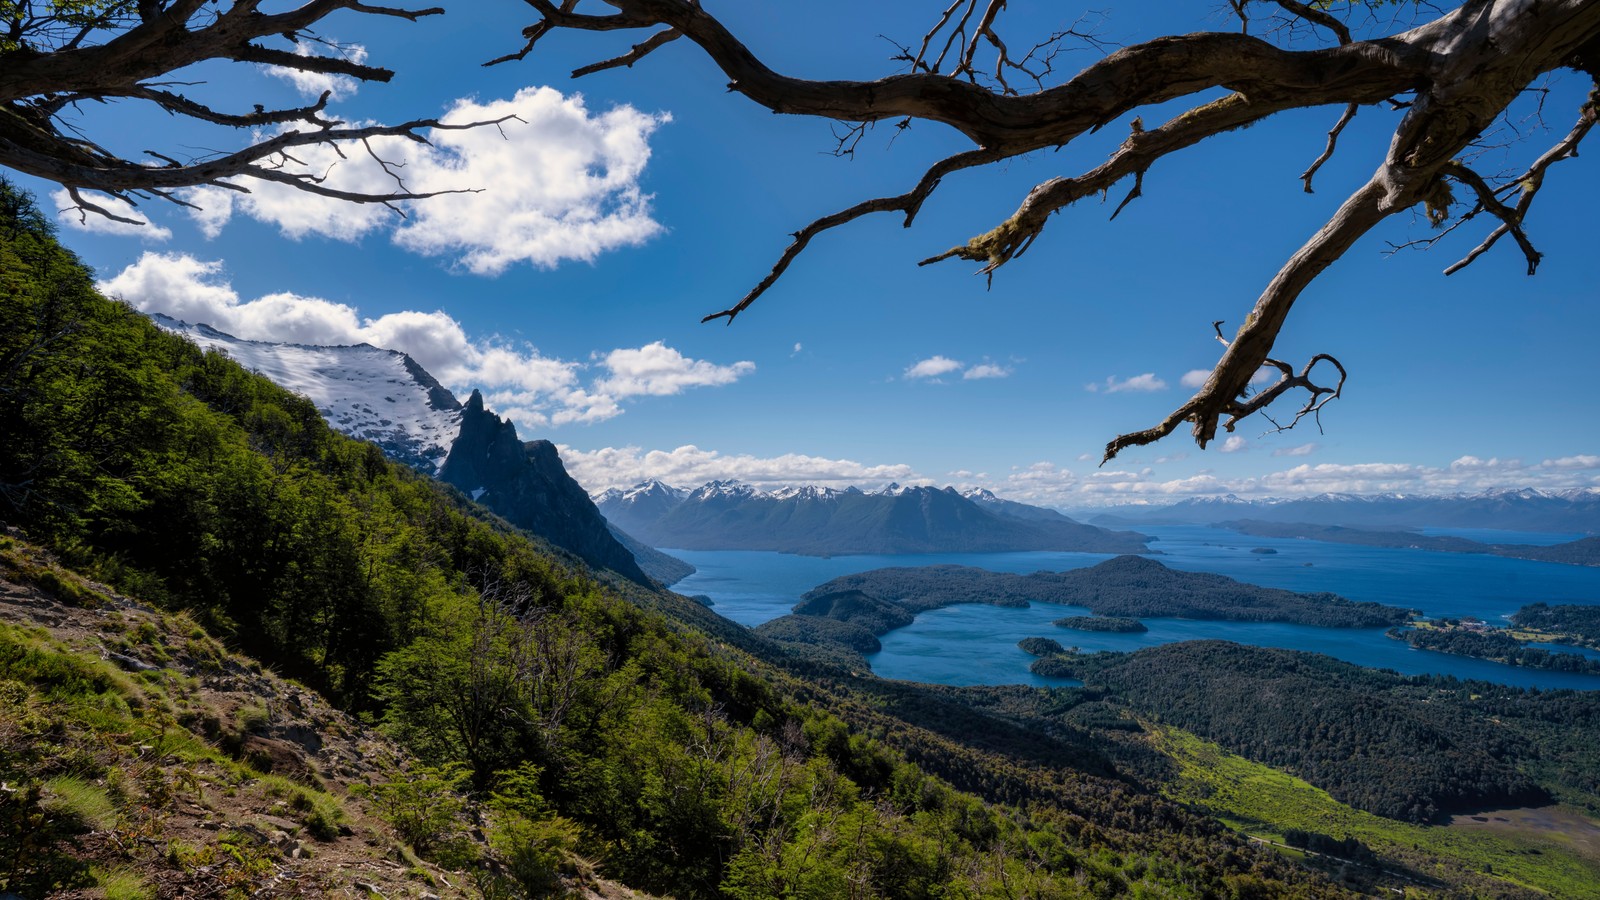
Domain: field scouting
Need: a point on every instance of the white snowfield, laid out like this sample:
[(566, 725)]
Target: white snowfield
[(363, 391)]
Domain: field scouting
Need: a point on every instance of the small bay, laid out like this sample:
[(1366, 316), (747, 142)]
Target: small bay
[(976, 643)]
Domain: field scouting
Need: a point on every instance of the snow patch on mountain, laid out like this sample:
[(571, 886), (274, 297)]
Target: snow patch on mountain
[(363, 391)]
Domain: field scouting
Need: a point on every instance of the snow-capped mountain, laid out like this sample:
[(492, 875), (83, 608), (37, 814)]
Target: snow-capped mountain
[(385, 397), (986, 499), (809, 519), (375, 395)]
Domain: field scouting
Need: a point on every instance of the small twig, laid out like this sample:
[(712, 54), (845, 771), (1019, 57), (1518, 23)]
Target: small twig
[(1333, 143)]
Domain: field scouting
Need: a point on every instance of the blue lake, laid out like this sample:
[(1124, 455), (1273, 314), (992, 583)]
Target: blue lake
[(976, 643)]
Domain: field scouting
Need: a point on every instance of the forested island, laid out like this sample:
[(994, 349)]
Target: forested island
[(1125, 587), (1563, 624), (1112, 624), (1582, 552), (1040, 646), (1494, 644)]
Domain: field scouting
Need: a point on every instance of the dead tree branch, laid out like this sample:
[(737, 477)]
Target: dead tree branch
[(1461, 70), (49, 68)]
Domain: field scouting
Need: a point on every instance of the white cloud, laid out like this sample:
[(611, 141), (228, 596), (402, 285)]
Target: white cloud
[(1359, 478), (553, 184), (1195, 379), (1582, 461), (1493, 464), (313, 84), (1233, 445), (1302, 450), (1141, 383), (986, 370), (658, 370), (797, 349), (690, 466), (932, 367), (69, 214), (517, 380)]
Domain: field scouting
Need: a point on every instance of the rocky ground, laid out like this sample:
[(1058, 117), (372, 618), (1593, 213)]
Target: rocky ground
[(223, 779)]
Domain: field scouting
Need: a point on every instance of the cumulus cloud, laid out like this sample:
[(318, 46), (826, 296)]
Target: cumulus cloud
[(1582, 461), (932, 367), (986, 370), (552, 182), (1358, 478), (1139, 383), (314, 84), (935, 367), (1234, 444), (68, 213), (1047, 484), (690, 466), (657, 370), (517, 380), (1195, 379), (1492, 464), (1302, 450)]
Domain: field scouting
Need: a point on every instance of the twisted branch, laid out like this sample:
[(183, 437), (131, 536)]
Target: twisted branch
[(1463, 69), (52, 69)]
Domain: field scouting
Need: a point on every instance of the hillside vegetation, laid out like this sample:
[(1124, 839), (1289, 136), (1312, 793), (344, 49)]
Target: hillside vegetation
[(1411, 748), (588, 718)]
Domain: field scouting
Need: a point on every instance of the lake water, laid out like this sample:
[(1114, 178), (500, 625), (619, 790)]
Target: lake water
[(976, 643)]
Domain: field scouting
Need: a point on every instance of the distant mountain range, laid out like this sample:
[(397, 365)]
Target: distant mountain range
[(385, 397), (1581, 552), (1526, 509), (819, 521)]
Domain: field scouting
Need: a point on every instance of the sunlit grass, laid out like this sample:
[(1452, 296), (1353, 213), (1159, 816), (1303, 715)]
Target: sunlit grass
[(88, 803), (1264, 802)]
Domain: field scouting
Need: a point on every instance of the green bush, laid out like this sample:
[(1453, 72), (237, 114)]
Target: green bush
[(424, 805)]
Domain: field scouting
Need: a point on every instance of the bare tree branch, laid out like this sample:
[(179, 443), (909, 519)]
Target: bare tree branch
[(1528, 183), (1327, 152), (909, 203), (1463, 69), (52, 69)]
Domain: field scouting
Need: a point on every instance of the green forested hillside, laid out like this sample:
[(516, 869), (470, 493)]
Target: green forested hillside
[(1410, 748), (587, 716)]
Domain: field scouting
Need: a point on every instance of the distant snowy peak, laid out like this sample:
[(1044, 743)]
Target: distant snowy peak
[(654, 488), (368, 393), (718, 490), (806, 492), (651, 491)]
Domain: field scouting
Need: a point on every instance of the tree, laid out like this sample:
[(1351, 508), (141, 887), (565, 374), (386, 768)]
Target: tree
[(1454, 75), (57, 56)]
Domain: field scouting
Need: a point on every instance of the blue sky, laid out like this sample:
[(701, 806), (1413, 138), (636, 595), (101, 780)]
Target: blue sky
[(859, 367)]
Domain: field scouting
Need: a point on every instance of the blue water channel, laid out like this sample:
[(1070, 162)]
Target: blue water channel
[(976, 643)]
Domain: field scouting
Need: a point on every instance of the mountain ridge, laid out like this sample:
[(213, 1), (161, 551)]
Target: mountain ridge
[(820, 521), (388, 398)]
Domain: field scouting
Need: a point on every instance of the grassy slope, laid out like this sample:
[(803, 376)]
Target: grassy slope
[(144, 760), (1263, 802)]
